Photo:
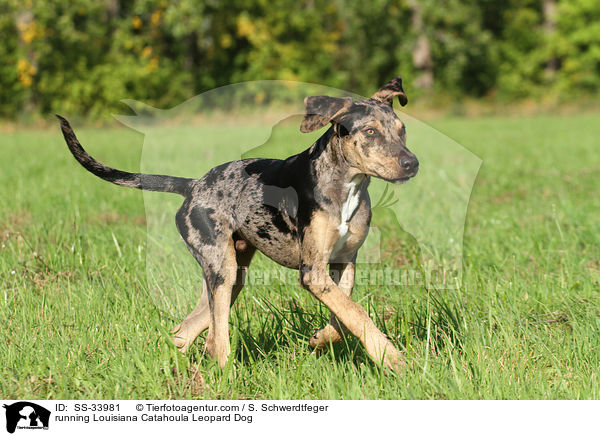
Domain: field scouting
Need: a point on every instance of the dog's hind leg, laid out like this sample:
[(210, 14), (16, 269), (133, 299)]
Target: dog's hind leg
[(199, 319), (220, 278), (194, 324), (343, 275)]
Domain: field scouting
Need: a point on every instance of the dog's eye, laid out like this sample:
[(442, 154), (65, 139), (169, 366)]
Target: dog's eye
[(370, 131)]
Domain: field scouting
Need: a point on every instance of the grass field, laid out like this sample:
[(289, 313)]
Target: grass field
[(80, 320)]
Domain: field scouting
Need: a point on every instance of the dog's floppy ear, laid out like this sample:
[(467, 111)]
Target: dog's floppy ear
[(390, 90), (321, 110)]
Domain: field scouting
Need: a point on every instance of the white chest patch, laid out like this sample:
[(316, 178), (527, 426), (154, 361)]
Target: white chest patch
[(347, 211), (349, 205)]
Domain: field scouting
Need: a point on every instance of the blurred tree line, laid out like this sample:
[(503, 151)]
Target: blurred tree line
[(83, 56)]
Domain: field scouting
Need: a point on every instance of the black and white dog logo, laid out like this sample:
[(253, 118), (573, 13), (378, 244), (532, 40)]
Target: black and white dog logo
[(26, 415)]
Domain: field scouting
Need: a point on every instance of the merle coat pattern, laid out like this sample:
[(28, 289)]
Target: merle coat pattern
[(309, 212)]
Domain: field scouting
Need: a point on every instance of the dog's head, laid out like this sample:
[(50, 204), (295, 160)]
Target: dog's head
[(371, 137)]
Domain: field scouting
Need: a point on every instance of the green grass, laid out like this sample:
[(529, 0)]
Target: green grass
[(80, 319)]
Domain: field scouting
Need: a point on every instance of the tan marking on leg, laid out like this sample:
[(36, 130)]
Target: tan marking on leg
[(219, 302), (317, 242), (194, 324), (199, 319), (343, 276)]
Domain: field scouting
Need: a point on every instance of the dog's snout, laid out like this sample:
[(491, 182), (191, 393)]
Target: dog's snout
[(409, 163)]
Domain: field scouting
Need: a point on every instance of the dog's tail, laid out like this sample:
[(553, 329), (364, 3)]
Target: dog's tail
[(147, 182)]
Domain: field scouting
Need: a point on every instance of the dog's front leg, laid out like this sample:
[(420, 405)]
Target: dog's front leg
[(317, 243), (316, 279), (343, 275)]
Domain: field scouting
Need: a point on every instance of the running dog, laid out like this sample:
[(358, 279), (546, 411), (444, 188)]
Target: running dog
[(310, 212)]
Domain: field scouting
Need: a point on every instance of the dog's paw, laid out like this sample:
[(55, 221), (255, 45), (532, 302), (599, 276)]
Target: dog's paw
[(180, 339), (395, 362), (324, 337)]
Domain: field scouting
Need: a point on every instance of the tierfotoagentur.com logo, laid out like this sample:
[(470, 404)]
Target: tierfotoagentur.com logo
[(24, 415)]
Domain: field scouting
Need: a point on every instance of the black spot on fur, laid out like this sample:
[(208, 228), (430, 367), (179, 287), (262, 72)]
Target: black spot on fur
[(211, 178), (263, 232), (214, 278), (180, 220), (201, 219), (280, 223)]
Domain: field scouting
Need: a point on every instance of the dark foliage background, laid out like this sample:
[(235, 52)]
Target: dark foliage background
[(83, 56)]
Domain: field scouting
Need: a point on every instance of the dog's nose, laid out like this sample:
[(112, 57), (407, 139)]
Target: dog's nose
[(409, 163)]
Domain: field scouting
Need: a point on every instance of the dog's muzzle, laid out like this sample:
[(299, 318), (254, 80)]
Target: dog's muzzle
[(410, 168)]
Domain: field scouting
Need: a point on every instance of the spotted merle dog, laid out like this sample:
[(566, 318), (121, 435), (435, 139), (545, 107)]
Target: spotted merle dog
[(309, 212)]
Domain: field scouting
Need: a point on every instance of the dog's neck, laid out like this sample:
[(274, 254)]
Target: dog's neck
[(335, 178)]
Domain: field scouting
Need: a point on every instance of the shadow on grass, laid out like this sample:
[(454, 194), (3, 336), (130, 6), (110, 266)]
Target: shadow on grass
[(282, 328), (437, 320)]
